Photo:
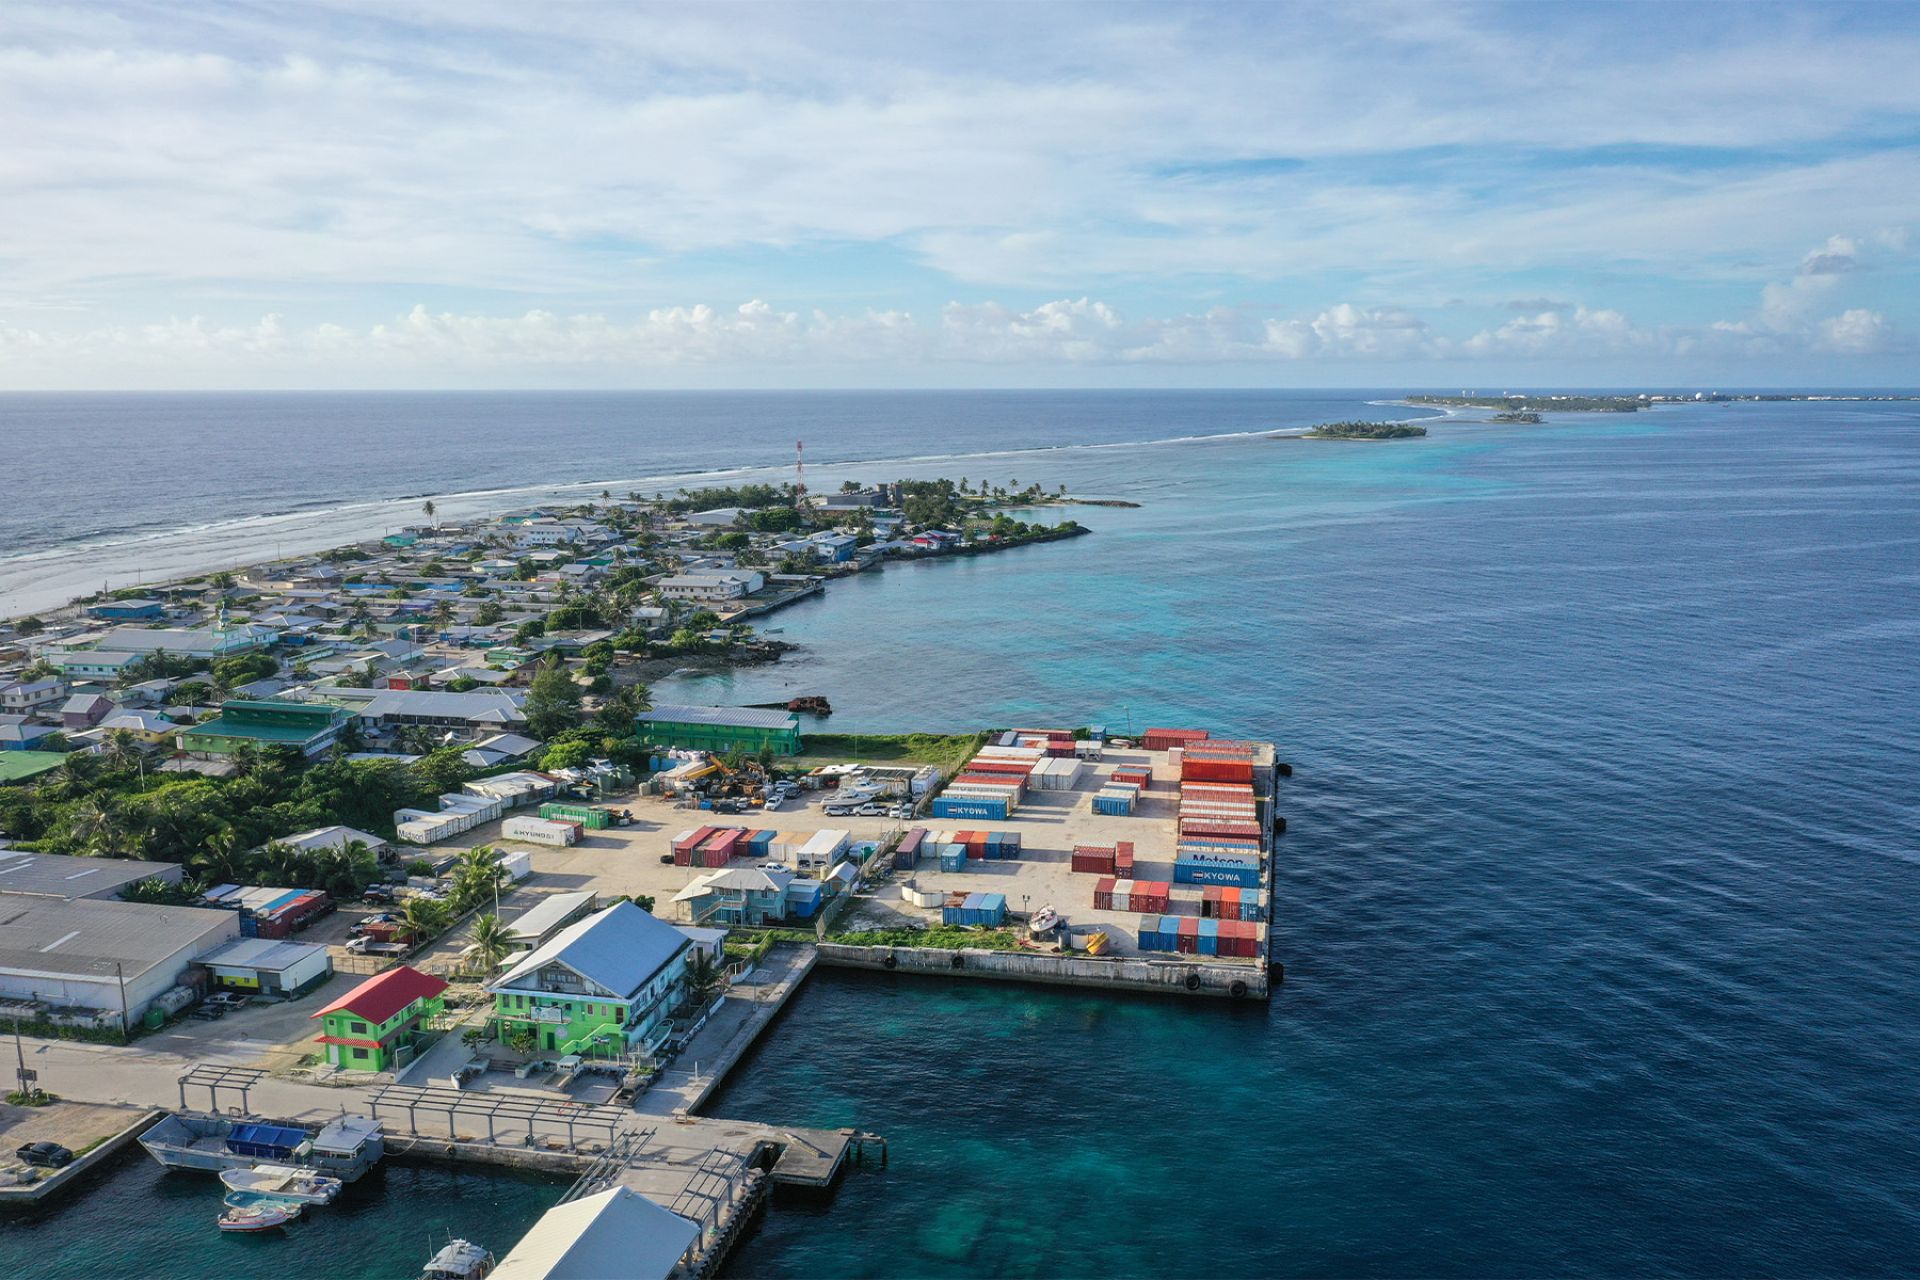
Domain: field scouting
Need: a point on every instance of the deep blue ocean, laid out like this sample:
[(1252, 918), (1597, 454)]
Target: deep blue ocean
[(1598, 897)]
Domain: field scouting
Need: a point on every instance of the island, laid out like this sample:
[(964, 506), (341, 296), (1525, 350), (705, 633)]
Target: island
[(1534, 404), (1530, 419), (1361, 431)]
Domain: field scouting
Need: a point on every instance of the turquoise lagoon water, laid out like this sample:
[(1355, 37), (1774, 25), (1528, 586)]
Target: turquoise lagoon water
[(139, 1220), (1596, 903)]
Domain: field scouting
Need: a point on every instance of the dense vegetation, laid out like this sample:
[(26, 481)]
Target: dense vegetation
[(1527, 419), (1366, 431)]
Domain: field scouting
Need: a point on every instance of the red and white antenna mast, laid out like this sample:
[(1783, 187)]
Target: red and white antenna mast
[(799, 474)]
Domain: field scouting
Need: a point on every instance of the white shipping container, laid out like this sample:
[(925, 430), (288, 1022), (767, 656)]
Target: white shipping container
[(518, 865), (539, 831)]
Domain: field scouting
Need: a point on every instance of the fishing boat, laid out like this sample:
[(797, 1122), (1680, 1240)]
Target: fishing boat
[(260, 1217), (458, 1260), (284, 1182)]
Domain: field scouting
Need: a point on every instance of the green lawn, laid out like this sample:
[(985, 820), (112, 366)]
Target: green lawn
[(943, 749)]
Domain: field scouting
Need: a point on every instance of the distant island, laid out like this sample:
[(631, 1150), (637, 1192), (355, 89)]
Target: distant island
[(1361, 431), (1535, 404), (1526, 417)]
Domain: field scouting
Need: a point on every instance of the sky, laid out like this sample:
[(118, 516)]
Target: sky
[(457, 193)]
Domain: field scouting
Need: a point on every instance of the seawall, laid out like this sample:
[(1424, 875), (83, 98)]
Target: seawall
[(1230, 982)]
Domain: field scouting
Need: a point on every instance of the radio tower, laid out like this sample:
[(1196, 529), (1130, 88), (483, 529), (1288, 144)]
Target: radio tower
[(799, 474)]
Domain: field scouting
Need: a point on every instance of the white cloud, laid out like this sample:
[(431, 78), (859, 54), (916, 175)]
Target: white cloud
[(1856, 332)]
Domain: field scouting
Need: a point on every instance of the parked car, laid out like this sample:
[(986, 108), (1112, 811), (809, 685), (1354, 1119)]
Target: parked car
[(871, 811), (47, 1155)]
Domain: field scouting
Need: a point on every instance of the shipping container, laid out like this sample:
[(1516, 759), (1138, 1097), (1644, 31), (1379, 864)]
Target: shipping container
[(1189, 872), (992, 809), (955, 859), (1094, 858), (586, 815), (546, 831), (1167, 739)]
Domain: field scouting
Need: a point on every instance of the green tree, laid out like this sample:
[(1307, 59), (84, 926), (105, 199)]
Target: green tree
[(428, 509), (553, 700), (421, 919), (703, 979), (566, 755), (491, 942)]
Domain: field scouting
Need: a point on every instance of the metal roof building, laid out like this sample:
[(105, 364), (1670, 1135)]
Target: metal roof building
[(269, 966), (720, 728), (616, 1233), (59, 875), (552, 913), (101, 954)]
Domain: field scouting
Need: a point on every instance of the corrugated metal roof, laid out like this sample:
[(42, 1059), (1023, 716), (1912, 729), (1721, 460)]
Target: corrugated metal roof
[(268, 954), (87, 937), (616, 1233), (621, 949), (548, 913), (726, 717), (59, 875)]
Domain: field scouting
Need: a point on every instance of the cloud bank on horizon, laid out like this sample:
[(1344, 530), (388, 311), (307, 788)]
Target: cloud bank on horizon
[(487, 194)]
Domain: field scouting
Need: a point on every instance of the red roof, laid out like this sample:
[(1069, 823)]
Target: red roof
[(382, 996)]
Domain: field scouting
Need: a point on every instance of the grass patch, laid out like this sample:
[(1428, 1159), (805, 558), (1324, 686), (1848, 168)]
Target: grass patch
[(938, 936), (945, 750)]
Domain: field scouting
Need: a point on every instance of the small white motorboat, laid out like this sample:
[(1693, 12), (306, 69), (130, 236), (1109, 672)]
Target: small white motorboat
[(284, 1182), (259, 1217), (458, 1260), (1043, 920)]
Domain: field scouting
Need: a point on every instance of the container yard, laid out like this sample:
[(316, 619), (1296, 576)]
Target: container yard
[(1159, 851)]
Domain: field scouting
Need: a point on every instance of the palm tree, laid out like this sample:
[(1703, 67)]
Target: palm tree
[(703, 979), (422, 918), (429, 509), (490, 943), (220, 859), (119, 750), (94, 827)]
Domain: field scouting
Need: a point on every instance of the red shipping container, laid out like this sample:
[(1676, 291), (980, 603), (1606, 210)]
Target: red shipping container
[(1164, 739), (693, 839), (1093, 858), (1187, 941), (1103, 894)]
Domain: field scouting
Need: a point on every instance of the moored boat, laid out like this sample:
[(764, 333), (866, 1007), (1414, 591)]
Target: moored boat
[(284, 1182), (261, 1217), (458, 1260)]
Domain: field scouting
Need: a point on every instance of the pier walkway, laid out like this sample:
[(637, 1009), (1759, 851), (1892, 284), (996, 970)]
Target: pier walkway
[(729, 1033)]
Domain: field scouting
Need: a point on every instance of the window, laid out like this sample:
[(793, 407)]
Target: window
[(357, 1027), (359, 1053)]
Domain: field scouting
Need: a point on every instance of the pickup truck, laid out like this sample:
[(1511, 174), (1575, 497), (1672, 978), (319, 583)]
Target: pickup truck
[(364, 946)]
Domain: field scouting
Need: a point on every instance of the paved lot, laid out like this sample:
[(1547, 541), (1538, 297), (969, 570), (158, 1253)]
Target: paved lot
[(76, 1126)]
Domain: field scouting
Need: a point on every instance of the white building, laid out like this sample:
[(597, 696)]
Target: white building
[(730, 585), (615, 1233)]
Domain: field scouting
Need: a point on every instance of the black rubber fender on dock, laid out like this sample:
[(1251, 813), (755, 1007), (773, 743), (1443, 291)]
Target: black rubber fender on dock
[(1238, 989), (1284, 769), (959, 961), (1193, 982), (1279, 825), (892, 961)]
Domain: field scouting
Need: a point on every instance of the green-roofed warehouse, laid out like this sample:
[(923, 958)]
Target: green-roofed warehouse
[(308, 727), (720, 729)]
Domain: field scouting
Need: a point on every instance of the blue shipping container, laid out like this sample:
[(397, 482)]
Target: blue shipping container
[(966, 807), (1244, 877)]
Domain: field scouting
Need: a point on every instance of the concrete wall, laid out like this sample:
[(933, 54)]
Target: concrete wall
[(1170, 977)]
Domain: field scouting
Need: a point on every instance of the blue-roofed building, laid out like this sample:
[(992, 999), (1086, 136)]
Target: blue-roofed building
[(602, 986)]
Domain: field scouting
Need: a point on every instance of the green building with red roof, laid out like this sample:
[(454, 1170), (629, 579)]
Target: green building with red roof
[(373, 1026)]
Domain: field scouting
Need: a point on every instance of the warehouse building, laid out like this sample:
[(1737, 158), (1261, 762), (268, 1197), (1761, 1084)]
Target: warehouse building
[(100, 963), (721, 728), (553, 913), (269, 967), (58, 875), (308, 727)]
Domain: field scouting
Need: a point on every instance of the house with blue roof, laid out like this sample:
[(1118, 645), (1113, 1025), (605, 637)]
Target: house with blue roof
[(601, 987)]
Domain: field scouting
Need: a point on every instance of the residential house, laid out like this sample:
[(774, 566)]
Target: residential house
[(148, 727), (835, 548), (31, 697), (478, 710), (84, 710), (373, 1027), (604, 985), (736, 895), (717, 518), (17, 733)]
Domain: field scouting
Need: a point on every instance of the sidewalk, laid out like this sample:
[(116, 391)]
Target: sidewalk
[(749, 1007)]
